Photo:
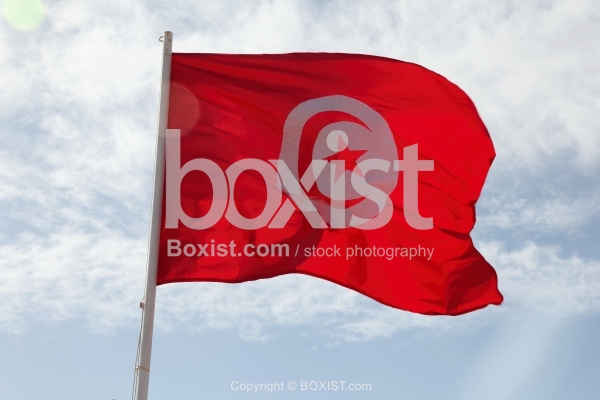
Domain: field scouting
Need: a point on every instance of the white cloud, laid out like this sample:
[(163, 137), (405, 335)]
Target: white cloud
[(545, 214), (537, 277), (99, 277), (529, 67), (78, 109), (71, 274)]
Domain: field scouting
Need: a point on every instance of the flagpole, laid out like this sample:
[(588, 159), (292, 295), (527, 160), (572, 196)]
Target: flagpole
[(142, 367)]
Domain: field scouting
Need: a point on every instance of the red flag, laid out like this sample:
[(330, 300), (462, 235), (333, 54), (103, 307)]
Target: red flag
[(360, 170)]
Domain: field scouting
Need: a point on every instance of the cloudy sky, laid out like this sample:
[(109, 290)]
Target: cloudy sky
[(78, 103)]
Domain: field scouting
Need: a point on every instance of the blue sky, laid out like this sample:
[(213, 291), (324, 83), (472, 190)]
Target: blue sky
[(78, 103)]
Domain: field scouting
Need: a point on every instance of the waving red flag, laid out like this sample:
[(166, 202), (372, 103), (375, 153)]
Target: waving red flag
[(360, 170)]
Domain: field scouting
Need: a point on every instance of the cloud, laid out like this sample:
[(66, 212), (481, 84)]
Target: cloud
[(541, 214), (93, 276), (78, 110), (537, 277), (97, 276)]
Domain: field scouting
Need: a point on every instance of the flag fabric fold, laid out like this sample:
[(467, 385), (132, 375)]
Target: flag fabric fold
[(360, 170)]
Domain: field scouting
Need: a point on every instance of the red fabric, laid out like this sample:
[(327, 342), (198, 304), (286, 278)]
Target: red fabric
[(232, 107)]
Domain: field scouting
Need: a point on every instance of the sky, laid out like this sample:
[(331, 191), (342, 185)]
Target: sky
[(78, 104)]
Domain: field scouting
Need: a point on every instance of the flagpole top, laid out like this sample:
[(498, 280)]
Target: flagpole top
[(168, 35), (167, 39)]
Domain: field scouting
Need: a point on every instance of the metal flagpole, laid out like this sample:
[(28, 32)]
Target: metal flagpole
[(142, 367)]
